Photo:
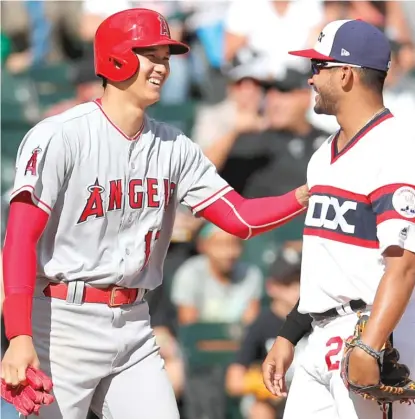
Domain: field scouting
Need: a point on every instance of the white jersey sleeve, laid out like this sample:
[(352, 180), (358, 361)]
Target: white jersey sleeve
[(393, 197), (199, 183), (43, 159)]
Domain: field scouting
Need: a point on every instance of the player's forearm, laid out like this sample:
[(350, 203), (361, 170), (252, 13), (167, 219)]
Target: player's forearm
[(247, 218), (24, 228), (296, 326), (392, 297)]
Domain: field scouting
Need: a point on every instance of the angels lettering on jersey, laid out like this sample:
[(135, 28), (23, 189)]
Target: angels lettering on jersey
[(31, 166), (136, 194)]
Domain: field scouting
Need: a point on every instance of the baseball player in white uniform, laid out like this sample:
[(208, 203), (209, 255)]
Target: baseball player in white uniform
[(91, 218), (359, 236)]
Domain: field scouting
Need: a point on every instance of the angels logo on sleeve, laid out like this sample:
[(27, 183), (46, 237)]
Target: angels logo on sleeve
[(403, 201), (31, 165)]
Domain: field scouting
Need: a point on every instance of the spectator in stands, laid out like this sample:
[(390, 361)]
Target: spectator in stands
[(263, 32), (244, 377), (408, 9), (87, 87), (205, 31), (281, 151), (177, 88), (218, 126), (215, 286), (399, 89), (41, 32)]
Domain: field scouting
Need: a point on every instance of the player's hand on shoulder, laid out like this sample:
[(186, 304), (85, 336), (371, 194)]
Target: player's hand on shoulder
[(275, 366), (20, 354), (303, 194)]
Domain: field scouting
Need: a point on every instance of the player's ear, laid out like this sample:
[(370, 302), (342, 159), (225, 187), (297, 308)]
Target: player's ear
[(346, 78)]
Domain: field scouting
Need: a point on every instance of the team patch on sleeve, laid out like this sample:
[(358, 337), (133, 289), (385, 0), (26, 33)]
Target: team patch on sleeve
[(339, 215), (396, 201), (31, 165)]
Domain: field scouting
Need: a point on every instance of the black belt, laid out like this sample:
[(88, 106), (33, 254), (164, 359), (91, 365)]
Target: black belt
[(355, 305)]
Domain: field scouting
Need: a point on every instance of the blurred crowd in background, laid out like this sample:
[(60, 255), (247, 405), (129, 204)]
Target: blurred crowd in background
[(246, 102)]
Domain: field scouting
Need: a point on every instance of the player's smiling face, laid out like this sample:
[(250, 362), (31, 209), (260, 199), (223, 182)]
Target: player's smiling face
[(323, 83), (153, 72)]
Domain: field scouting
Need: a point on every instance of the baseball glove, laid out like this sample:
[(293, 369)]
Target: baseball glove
[(395, 384), (254, 384), (28, 398)]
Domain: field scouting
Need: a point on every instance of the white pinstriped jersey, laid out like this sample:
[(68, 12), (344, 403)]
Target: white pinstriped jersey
[(111, 199), (363, 201)]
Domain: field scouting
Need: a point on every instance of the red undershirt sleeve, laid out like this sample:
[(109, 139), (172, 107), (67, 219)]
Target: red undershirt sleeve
[(25, 226), (247, 218)]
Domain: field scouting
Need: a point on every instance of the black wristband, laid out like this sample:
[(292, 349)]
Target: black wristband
[(296, 326)]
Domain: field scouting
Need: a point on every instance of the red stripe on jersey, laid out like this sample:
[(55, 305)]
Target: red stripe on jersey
[(387, 189), (332, 235), (245, 218), (32, 193), (342, 193), (99, 103), (386, 114), (210, 197), (391, 215)]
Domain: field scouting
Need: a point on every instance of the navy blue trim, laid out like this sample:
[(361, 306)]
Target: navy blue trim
[(383, 204), (335, 154)]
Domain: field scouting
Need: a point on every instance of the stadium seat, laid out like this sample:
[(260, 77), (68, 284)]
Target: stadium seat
[(181, 116), (207, 347), (261, 250), (209, 344), (11, 138), (52, 83)]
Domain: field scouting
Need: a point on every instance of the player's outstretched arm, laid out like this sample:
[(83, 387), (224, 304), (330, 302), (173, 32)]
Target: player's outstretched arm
[(247, 218)]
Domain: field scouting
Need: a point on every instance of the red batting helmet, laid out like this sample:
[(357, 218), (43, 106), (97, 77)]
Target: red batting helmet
[(117, 35)]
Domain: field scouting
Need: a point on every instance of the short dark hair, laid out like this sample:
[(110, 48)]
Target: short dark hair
[(104, 82), (373, 79)]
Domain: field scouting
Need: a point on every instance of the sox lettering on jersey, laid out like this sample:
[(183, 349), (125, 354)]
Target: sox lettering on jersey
[(140, 192), (320, 218)]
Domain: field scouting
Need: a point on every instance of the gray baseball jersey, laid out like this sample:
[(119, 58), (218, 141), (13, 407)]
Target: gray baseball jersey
[(111, 199)]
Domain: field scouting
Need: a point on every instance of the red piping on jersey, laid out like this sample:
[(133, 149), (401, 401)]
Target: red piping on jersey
[(332, 191), (32, 193), (195, 208), (387, 189), (25, 226), (99, 103), (338, 237), (386, 114), (247, 218), (390, 215)]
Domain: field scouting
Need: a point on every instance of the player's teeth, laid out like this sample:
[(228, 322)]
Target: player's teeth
[(154, 81)]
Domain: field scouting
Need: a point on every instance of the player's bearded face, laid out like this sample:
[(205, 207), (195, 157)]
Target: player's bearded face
[(326, 98)]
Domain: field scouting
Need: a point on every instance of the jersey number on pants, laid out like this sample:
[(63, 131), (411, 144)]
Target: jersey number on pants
[(149, 239), (336, 345)]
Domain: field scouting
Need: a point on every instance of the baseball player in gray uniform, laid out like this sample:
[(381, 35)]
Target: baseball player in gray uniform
[(91, 217)]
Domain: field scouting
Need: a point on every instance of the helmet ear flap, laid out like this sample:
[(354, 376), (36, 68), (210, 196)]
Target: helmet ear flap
[(123, 65)]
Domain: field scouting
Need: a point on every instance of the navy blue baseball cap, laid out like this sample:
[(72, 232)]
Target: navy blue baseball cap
[(351, 42)]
